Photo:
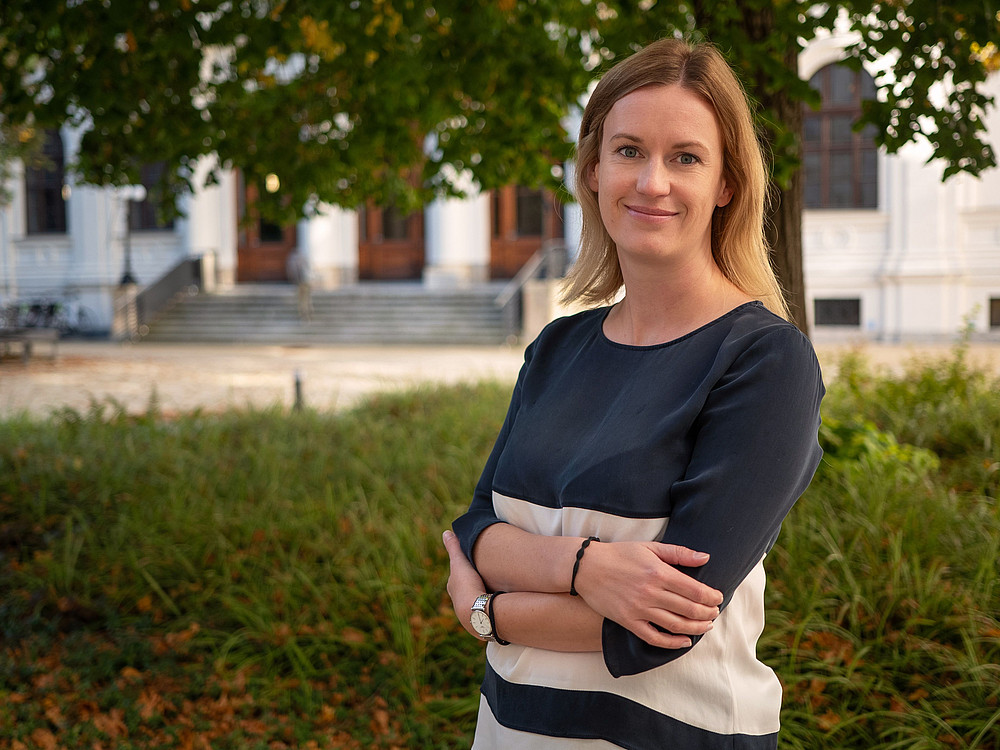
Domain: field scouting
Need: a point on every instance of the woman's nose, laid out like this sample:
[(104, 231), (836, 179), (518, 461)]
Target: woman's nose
[(654, 178)]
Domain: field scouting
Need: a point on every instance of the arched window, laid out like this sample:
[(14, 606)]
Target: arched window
[(43, 184), (840, 165)]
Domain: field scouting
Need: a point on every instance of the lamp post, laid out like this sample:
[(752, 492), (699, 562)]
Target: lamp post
[(128, 194), (125, 314)]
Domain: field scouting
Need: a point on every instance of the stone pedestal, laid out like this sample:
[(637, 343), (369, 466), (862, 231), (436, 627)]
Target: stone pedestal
[(124, 314)]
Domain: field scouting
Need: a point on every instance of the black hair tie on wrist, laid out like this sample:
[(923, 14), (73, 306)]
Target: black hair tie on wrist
[(576, 565), (500, 641)]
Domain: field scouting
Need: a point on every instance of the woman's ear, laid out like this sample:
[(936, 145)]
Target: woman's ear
[(725, 194), (592, 176)]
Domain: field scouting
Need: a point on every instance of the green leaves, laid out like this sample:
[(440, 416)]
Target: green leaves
[(388, 100), (932, 89)]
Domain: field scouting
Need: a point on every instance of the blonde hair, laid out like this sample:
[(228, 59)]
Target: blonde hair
[(739, 246)]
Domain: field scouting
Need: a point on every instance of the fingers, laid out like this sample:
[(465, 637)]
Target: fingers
[(678, 555), (687, 612), (658, 638), (463, 580), (451, 544), (685, 585)]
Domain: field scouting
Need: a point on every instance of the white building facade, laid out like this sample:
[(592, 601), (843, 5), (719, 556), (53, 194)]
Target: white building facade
[(923, 262), (891, 253)]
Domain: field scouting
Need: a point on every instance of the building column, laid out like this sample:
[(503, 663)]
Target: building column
[(210, 227), (329, 243), (457, 241)]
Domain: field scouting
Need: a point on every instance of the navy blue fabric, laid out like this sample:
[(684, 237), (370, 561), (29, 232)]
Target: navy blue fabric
[(587, 715), (716, 430)]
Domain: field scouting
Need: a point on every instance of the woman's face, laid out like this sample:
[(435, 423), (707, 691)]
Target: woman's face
[(658, 177)]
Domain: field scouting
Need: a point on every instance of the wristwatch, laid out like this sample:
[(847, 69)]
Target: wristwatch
[(480, 618)]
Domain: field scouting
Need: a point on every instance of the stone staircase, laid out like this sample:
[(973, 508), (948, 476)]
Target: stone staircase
[(373, 313)]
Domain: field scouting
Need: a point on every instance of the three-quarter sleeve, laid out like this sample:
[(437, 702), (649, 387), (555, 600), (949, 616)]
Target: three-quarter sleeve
[(481, 513), (755, 450)]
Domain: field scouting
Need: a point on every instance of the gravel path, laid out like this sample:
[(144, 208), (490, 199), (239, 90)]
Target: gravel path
[(185, 377)]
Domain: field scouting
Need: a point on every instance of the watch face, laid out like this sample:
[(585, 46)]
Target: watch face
[(481, 622)]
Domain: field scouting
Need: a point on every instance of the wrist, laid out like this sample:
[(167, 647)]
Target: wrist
[(578, 560), (483, 620)]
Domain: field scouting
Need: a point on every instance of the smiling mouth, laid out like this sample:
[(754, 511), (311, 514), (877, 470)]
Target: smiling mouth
[(652, 212)]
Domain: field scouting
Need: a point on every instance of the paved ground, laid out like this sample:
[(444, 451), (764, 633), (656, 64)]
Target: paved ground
[(185, 377)]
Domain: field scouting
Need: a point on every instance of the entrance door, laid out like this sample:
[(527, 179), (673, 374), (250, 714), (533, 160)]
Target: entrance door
[(263, 247), (523, 220), (390, 245)]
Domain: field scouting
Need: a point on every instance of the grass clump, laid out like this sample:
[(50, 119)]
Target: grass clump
[(884, 595), (288, 565), (274, 579)]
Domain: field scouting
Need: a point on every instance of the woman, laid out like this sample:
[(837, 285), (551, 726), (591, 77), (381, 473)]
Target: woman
[(652, 448)]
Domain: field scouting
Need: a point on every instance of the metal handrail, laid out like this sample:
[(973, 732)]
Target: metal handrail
[(553, 254), (182, 278), (546, 253)]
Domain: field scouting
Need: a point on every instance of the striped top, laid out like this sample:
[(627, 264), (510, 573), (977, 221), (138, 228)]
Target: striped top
[(705, 441)]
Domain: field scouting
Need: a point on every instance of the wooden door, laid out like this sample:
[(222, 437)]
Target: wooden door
[(390, 245), (523, 220), (262, 246)]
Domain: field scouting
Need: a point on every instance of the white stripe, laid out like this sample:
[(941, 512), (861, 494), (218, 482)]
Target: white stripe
[(570, 521), (719, 686)]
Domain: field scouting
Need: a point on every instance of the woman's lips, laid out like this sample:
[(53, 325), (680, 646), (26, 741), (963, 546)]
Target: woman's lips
[(651, 212)]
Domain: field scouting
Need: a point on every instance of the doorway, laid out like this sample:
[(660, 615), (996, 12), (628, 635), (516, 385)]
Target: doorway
[(262, 247), (523, 219), (390, 244)]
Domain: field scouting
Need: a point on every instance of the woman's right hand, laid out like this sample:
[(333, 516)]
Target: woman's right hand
[(636, 585)]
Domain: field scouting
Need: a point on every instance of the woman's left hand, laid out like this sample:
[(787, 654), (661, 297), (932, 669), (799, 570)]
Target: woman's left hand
[(464, 583)]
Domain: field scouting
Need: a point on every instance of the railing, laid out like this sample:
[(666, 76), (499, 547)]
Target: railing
[(550, 261), (182, 278), (133, 312)]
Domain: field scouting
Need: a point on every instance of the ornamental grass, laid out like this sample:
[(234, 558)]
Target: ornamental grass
[(264, 579)]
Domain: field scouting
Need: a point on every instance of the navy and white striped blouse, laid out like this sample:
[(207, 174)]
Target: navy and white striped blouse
[(705, 441)]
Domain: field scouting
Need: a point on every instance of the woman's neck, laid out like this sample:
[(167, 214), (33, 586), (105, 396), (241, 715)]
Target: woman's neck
[(659, 307)]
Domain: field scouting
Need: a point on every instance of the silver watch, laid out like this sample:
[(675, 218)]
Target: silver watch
[(480, 618)]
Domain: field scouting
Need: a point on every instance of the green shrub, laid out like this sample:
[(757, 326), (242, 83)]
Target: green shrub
[(270, 579), (883, 586)]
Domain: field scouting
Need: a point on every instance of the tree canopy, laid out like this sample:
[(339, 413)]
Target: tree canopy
[(338, 97), (347, 101), (343, 101)]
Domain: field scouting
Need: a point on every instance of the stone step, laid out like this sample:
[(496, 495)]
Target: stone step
[(363, 314)]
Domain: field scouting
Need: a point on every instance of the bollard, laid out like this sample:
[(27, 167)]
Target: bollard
[(298, 391)]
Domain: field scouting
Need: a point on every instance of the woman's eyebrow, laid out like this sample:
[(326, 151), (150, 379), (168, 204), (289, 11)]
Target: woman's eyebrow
[(691, 144), (698, 145), (625, 137)]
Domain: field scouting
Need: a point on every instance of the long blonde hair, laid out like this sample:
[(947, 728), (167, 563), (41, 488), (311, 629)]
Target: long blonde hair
[(738, 242)]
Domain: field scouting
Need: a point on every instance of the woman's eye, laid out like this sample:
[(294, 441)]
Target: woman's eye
[(629, 152), (688, 159)]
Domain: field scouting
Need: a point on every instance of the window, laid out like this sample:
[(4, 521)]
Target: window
[(145, 215), (839, 165), (43, 184), (386, 224), (995, 312), (837, 312), (395, 225), (530, 212)]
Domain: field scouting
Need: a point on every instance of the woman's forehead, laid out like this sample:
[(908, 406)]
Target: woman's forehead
[(653, 111)]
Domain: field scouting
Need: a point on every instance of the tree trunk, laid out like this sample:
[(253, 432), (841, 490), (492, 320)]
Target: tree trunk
[(784, 219), (784, 227)]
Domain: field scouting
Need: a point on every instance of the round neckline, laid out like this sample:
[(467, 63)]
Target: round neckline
[(671, 342)]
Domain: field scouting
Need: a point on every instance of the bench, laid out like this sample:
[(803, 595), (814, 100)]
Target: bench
[(27, 338)]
